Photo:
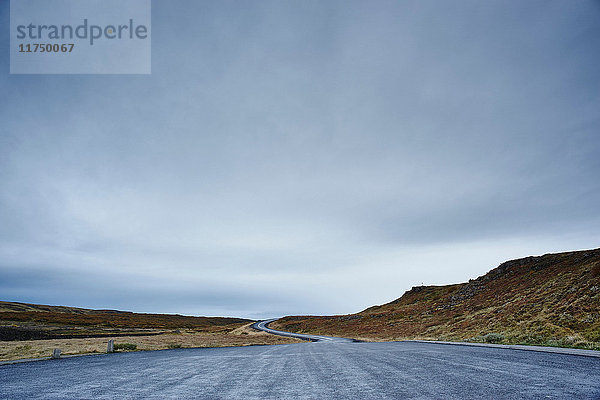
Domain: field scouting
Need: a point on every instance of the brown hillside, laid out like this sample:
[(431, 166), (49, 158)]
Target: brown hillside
[(553, 299), (21, 321)]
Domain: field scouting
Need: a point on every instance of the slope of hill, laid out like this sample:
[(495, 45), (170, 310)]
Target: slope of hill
[(21, 321), (553, 299)]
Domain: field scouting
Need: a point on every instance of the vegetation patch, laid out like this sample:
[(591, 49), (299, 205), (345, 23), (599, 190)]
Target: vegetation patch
[(125, 346), (494, 338)]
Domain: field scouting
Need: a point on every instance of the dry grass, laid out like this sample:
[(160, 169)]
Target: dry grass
[(242, 336), (109, 319), (20, 321), (548, 300), (82, 331)]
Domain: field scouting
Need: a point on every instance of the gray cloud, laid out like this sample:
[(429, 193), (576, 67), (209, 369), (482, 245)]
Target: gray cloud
[(303, 157)]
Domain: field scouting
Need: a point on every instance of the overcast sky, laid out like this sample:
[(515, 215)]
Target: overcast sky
[(303, 157)]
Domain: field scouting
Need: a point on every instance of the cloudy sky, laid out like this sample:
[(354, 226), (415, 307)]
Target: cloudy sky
[(303, 157)]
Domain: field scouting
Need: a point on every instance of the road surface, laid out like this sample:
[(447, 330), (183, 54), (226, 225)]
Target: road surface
[(263, 326), (327, 369)]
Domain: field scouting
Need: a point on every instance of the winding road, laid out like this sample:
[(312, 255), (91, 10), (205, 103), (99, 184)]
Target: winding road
[(263, 326), (330, 368)]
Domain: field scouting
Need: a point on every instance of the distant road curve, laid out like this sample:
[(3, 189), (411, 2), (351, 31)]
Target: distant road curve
[(263, 326)]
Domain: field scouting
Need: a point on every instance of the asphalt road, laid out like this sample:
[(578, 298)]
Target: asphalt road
[(264, 326), (312, 370)]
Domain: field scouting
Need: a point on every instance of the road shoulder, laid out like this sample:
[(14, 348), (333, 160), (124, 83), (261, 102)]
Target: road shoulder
[(543, 349)]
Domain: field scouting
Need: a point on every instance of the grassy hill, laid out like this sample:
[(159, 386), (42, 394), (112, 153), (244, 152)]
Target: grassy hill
[(553, 299), (21, 321)]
